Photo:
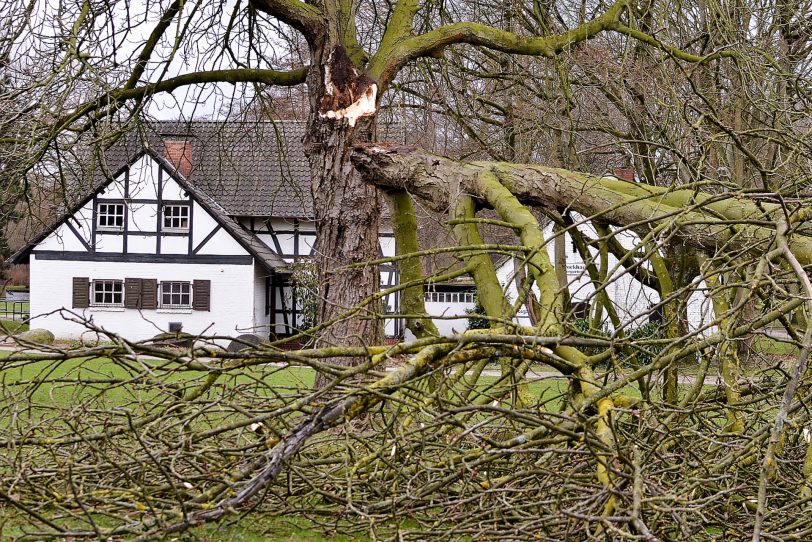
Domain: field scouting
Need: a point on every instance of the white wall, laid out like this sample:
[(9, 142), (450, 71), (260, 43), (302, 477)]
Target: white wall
[(454, 318), (632, 299), (262, 321), (232, 298)]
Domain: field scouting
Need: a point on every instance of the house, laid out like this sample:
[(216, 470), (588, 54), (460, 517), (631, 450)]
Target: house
[(189, 226), (636, 304), (196, 227)]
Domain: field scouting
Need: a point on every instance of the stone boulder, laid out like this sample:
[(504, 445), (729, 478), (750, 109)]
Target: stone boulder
[(244, 341), (39, 336)]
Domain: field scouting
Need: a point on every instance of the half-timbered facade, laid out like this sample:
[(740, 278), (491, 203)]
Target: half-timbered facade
[(196, 229)]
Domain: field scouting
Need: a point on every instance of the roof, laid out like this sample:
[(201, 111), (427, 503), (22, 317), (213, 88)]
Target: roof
[(238, 169), (250, 168), (250, 242)]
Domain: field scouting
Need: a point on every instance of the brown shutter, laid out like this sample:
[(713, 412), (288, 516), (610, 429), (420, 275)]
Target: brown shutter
[(149, 294), (81, 292), (132, 293), (201, 295)]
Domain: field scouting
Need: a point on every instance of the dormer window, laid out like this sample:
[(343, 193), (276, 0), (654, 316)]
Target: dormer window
[(110, 216), (176, 218)]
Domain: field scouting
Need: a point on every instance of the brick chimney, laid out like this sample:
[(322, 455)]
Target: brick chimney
[(179, 154), (625, 173)]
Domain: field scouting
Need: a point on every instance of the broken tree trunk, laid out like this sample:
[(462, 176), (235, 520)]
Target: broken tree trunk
[(702, 221), (347, 210)]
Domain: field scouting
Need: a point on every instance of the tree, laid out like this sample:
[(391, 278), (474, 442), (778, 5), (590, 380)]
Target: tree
[(716, 129), (349, 61)]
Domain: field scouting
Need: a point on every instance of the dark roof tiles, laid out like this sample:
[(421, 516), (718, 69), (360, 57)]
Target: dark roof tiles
[(253, 169)]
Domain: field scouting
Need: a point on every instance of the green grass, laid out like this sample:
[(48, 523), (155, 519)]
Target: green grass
[(774, 347), (256, 528), (9, 327), (251, 528), (13, 305), (74, 381)]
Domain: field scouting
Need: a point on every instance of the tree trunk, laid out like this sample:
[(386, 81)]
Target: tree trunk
[(438, 180), (346, 209)]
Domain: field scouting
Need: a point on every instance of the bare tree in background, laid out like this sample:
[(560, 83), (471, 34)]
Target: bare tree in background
[(659, 437)]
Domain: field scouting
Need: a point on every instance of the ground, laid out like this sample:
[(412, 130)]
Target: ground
[(51, 393)]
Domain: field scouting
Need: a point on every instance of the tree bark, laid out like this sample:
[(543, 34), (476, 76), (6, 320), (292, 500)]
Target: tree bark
[(701, 221), (346, 209)]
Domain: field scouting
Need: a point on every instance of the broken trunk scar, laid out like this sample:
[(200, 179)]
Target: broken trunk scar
[(362, 107), (347, 94)]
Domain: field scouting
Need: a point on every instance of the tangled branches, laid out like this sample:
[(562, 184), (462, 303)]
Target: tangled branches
[(135, 442)]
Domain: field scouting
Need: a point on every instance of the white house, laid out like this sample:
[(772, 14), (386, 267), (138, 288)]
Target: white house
[(193, 228), (634, 302)]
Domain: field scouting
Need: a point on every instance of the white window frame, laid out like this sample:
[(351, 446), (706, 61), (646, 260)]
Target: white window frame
[(113, 288), (176, 221), (104, 214), (176, 288)]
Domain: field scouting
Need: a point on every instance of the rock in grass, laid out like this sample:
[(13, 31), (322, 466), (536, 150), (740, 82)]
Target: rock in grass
[(39, 336), (244, 341)]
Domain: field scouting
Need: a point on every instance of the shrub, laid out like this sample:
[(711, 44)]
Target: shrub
[(16, 276), (647, 332), (476, 318), (582, 328), (305, 282)]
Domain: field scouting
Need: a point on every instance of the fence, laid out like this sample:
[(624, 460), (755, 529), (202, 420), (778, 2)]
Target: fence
[(14, 310)]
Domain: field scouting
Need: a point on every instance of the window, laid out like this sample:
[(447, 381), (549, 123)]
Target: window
[(107, 293), (110, 216), (450, 297), (176, 295), (176, 217)]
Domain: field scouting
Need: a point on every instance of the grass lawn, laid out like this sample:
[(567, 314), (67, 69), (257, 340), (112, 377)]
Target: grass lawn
[(114, 383), (8, 306), (256, 528), (251, 528), (774, 347), (9, 327)]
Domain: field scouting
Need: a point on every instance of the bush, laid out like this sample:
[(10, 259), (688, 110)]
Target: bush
[(645, 353), (582, 328), (646, 332), (305, 282), (475, 317), (16, 276)]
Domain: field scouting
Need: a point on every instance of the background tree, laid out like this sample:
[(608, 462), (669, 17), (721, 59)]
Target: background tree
[(705, 102)]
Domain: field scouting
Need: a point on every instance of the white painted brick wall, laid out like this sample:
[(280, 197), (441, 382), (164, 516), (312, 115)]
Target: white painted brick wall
[(232, 298)]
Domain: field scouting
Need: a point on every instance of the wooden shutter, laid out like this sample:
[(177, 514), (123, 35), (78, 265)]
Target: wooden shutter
[(149, 294), (132, 293), (201, 295), (81, 292)]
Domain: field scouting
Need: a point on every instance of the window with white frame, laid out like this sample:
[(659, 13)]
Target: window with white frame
[(450, 297), (175, 295), (110, 216), (107, 293), (176, 217)]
